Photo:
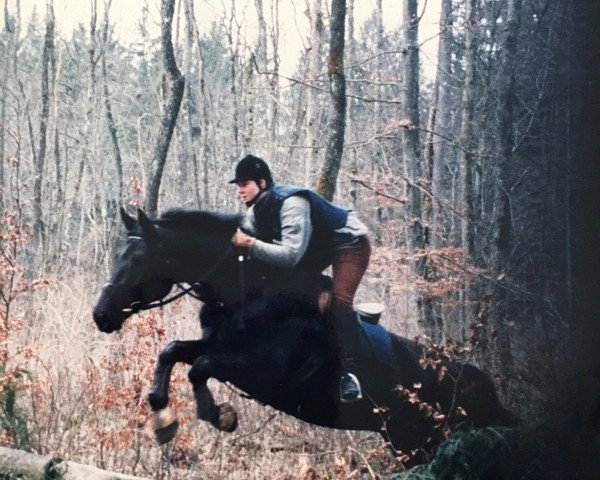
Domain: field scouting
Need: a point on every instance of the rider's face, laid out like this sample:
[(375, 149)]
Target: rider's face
[(247, 190)]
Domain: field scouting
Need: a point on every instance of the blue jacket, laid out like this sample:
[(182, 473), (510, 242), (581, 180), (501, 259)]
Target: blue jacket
[(324, 216)]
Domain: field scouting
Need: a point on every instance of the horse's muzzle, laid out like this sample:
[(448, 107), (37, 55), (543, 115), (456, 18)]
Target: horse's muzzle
[(103, 322)]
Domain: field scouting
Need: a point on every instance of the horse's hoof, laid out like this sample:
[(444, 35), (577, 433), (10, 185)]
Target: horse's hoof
[(164, 424), (166, 434), (228, 419)]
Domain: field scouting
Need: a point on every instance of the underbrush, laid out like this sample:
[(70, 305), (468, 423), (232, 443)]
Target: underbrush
[(86, 401)]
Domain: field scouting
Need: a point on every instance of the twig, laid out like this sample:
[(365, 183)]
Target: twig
[(511, 288), (371, 472), (256, 430), (377, 192), (302, 82)]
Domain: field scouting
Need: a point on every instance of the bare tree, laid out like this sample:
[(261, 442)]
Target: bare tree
[(415, 233), (434, 151), (466, 133), (176, 84), (312, 95), (337, 117), (8, 35), (274, 80), (112, 129), (466, 156), (438, 122), (39, 159), (504, 237), (194, 133)]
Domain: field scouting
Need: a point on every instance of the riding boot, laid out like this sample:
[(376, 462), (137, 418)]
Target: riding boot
[(347, 332)]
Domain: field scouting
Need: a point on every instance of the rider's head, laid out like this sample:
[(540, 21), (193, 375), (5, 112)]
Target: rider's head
[(252, 176)]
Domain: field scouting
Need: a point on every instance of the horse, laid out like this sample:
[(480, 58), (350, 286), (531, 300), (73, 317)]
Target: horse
[(264, 331)]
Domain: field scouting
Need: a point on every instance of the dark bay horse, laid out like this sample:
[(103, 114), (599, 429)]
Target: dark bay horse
[(264, 333)]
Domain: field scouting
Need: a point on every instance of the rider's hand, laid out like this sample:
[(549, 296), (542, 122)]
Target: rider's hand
[(240, 239)]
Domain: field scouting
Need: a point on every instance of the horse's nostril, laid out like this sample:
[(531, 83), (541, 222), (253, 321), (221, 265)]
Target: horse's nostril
[(100, 318), (103, 322)]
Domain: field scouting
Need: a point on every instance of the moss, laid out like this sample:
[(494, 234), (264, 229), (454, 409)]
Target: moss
[(492, 454)]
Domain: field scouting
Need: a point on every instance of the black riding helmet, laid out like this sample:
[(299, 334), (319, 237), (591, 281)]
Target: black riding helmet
[(252, 168)]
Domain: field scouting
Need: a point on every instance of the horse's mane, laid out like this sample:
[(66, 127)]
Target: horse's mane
[(198, 219)]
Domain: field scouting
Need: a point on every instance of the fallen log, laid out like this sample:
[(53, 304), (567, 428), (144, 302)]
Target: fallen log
[(29, 464)]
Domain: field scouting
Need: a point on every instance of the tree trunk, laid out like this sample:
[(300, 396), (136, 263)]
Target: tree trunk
[(8, 35), (466, 133), (176, 84), (410, 135), (38, 223), (337, 117), (112, 129), (261, 60), (312, 94), (351, 56), (194, 133), (205, 125), (434, 154), (274, 80), (57, 218), (415, 235), (202, 152), (438, 123), (466, 156), (233, 62), (378, 168), (504, 236), (46, 466)]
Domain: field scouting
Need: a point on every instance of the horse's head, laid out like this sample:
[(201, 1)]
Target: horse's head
[(138, 275)]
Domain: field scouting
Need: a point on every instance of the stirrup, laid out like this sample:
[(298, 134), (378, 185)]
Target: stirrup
[(350, 389)]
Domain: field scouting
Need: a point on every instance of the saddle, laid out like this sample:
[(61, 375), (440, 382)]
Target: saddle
[(369, 312)]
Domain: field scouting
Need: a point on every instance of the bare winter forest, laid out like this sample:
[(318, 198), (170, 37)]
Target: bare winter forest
[(473, 176)]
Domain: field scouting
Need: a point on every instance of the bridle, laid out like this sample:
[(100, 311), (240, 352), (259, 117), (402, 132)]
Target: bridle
[(139, 305)]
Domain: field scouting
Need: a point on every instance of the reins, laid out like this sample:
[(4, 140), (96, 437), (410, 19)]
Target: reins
[(162, 303), (138, 306)]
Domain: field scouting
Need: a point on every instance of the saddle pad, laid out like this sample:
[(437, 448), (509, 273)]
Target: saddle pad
[(376, 343)]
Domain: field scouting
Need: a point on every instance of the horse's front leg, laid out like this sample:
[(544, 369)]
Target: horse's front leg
[(165, 423)]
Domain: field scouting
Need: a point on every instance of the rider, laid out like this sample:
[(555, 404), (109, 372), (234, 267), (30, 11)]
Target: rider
[(294, 227)]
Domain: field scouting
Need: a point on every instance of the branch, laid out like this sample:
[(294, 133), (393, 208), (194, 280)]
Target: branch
[(301, 82), (378, 192)]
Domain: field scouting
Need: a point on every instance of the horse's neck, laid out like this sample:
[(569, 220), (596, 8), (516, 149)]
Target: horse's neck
[(193, 259)]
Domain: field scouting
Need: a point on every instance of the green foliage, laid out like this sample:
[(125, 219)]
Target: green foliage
[(487, 454), (9, 475), (13, 420)]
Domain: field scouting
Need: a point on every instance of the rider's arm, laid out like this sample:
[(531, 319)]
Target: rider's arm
[(296, 230)]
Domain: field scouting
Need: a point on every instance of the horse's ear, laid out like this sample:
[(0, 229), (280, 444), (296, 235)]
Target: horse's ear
[(148, 228), (128, 220)]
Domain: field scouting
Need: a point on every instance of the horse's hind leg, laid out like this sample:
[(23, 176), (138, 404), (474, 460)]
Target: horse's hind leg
[(165, 424), (222, 416)]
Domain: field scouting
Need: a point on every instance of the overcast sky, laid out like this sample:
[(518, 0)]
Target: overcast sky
[(125, 15)]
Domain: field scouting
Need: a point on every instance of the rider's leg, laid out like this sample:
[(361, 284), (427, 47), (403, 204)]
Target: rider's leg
[(349, 266)]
